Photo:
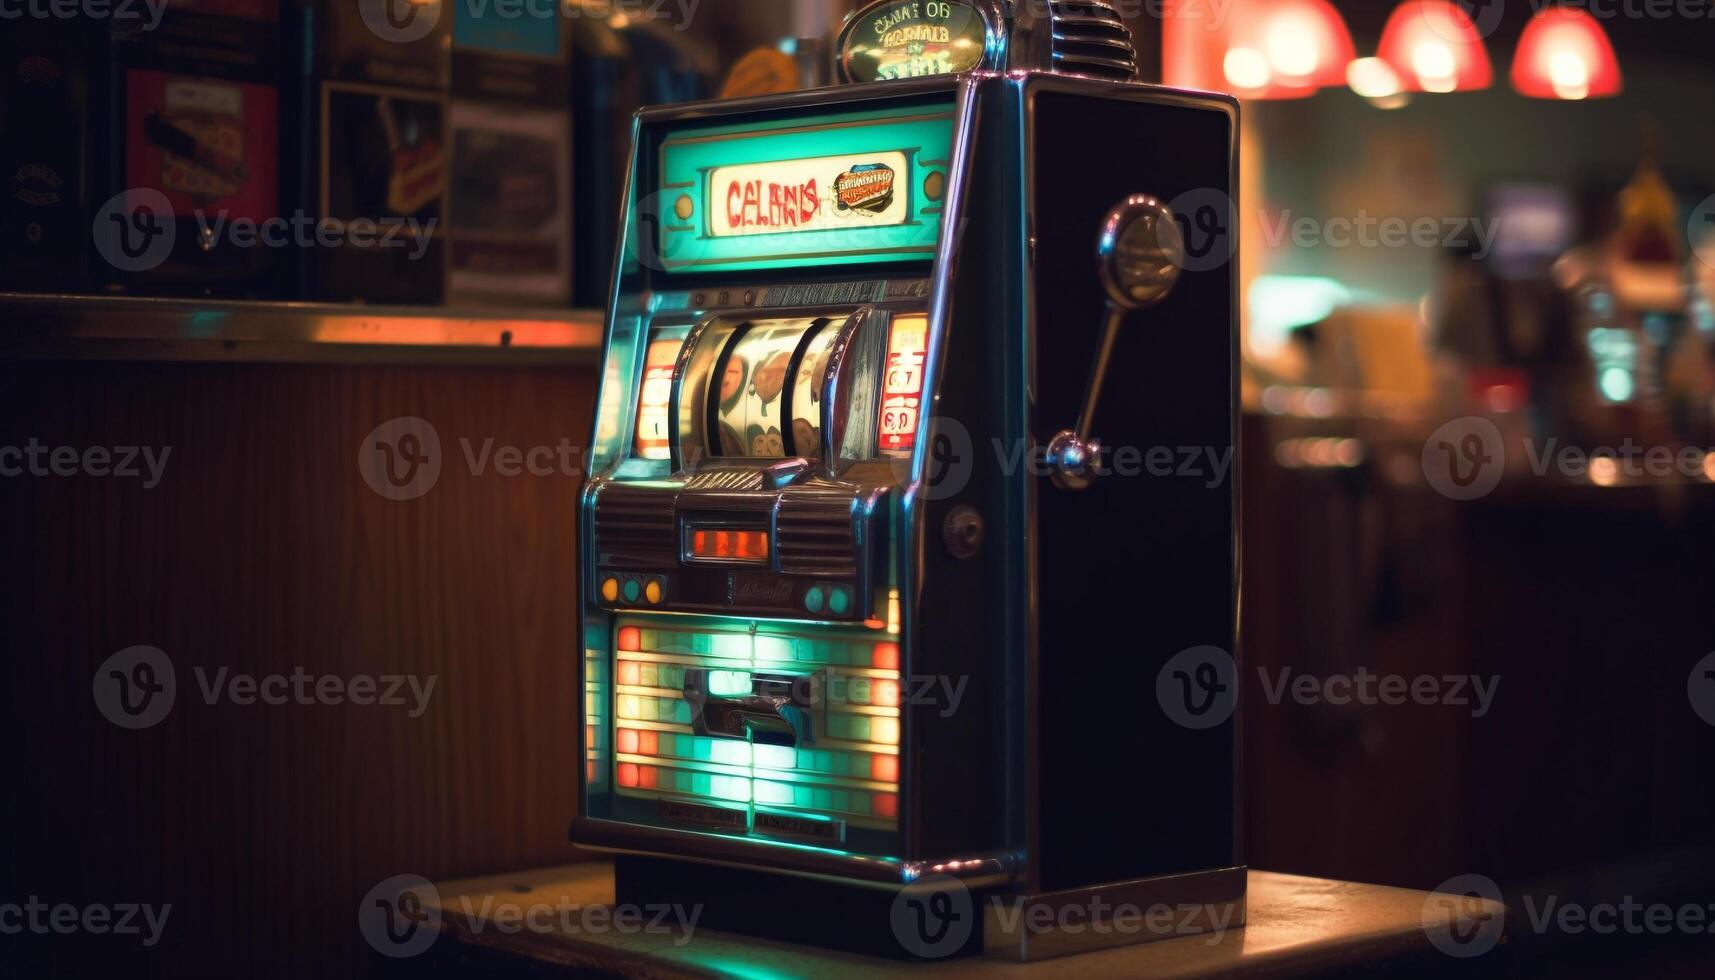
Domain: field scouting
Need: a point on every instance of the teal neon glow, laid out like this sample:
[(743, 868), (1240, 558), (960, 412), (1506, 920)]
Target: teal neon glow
[(729, 683), (921, 137)]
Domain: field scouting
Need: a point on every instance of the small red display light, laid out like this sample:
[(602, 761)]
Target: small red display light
[(628, 741), (729, 544), (628, 775), (630, 638)]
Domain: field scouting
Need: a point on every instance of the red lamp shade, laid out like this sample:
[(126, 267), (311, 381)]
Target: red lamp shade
[(1565, 54), (1434, 47), (1267, 49)]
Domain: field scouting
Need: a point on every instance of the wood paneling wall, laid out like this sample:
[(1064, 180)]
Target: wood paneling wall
[(263, 551)]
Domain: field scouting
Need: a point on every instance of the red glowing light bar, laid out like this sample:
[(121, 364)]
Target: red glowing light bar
[(729, 544)]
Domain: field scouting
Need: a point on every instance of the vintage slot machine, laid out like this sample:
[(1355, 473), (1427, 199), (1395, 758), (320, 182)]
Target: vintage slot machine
[(873, 624)]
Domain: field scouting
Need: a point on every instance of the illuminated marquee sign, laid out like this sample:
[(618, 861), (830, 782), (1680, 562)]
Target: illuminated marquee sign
[(808, 195), (827, 190), (911, 39)]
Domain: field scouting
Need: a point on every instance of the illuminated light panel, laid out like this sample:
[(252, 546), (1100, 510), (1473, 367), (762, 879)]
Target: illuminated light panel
[(729, 683), (655, 395), (659, 754), (610, 590), (885, 656), (729, 545), (884, 768), (884, 731), (885, 694), (902, 389)]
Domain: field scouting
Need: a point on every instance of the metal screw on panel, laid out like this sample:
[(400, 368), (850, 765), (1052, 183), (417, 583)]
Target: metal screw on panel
[(964, 532)]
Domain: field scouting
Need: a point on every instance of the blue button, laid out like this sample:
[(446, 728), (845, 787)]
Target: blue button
[(632, 590), (840, 602), (813, 599)]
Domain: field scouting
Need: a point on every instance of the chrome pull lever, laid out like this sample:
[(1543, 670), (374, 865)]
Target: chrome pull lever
[(1139, 255)]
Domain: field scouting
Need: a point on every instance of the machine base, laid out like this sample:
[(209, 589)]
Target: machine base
[(917, 923)]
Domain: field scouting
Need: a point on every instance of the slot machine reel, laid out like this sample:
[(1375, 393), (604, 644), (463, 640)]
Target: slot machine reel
[(1139, 255)]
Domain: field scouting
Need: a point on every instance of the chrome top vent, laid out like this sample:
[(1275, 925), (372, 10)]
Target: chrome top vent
[(1090, 38)]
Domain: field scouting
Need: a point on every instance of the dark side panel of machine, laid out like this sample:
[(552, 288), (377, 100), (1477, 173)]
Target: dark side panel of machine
[(1139, 567)]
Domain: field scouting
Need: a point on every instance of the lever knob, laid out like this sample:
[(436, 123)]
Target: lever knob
[(1139, 254)]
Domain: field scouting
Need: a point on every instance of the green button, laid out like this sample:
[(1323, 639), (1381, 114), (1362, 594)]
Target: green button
[(632, 590), (840, 602), (813, 600)]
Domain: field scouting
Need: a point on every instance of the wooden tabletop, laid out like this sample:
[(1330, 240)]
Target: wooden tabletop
[(1298, 926)]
